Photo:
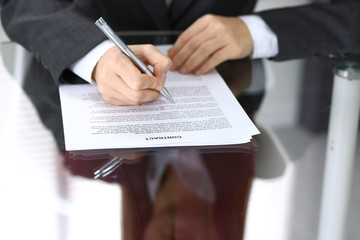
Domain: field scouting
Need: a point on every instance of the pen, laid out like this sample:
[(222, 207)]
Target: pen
[(127, 51), (108, 168)]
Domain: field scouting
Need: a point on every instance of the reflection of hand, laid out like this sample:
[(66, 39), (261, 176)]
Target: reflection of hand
[(117, 160), (210, 41), (129, 157), (120, 82)]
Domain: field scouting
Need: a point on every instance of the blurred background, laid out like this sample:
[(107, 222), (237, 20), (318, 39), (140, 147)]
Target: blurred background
[(286, 194)]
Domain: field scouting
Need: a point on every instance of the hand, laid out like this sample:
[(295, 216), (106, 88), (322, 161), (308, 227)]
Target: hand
[(210, 41), (129, 157), (120, 82)]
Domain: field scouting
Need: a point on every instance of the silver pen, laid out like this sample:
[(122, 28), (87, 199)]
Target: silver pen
[(127, 51)]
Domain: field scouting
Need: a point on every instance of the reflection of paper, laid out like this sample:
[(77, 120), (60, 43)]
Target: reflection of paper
[(205, 113)]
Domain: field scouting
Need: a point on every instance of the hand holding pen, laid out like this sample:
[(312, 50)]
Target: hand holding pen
[(122, 81)]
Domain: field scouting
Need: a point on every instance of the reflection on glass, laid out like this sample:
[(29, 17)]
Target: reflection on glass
[(180, 193), (108, 167), (201, 197)]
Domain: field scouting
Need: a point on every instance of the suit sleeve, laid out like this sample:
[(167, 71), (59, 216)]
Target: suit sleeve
[(316, 30), (56, 32)]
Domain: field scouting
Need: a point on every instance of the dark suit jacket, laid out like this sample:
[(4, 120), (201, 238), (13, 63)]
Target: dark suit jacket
[(316, 30), (58, 33)]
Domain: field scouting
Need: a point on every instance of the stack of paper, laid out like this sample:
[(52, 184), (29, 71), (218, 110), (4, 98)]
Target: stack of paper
[(205, 112)]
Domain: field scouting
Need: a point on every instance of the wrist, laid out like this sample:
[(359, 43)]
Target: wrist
[(85, 66), (265, 43)]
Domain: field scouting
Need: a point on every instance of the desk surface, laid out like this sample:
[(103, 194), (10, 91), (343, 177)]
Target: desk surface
[(256, 191)]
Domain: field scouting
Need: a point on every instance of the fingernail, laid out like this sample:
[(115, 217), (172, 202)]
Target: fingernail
[(183, 70), (198, 72), (163, 77), (159, 87), (172, 67)]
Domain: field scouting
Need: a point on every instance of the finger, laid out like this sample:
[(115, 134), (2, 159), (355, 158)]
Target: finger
[(133, 96), (134, 78), (214, 60), (196, 28), (206, 49), (113, 97), (110, 94), (150, 55), (191, 47), (160, 62), (116, 91), (129, 97)]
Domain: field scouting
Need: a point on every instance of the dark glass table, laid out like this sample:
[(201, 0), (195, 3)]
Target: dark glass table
[(181, 192), (266, 189)]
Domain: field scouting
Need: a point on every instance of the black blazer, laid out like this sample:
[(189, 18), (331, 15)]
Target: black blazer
[(58, 33), (316, 30)]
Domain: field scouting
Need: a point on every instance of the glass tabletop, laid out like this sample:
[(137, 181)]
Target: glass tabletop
[(181, 192), (269, 188)]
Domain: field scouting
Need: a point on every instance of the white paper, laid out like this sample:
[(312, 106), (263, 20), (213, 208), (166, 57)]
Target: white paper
[(205, 113)]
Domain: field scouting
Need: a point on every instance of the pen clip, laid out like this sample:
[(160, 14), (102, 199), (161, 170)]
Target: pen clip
[(112, 36)]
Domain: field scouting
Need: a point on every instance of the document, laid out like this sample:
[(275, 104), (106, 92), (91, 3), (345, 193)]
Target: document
[(205, 113)]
